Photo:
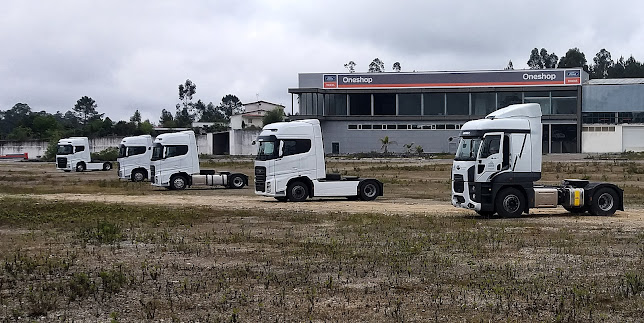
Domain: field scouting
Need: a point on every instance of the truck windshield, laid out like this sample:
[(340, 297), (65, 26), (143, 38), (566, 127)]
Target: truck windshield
[(122, 150), (267, 150), (65, 150), (157, 152), (467, 149)]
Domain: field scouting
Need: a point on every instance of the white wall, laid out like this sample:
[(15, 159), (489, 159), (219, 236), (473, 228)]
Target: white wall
[(241, 142), (204, 144), (37, 148)]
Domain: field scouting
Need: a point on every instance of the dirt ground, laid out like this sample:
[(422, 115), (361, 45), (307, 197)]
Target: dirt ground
[(215, 254)]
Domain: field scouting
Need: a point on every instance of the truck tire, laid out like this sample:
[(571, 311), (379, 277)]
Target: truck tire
[(178, 182), (236, 181), (137, 176), (297, 192), (369, 190), (510, 203), (80, 167), (107, 166), (604, 202)]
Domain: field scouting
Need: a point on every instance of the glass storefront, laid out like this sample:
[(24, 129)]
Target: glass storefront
[(436, 103)]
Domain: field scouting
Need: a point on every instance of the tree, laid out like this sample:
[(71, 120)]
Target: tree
[(230, 105), (540, 59), (510, 66), (549, 60), (183, 118), (573, 58), (385, 144), (275, 115), (85, 109), (186, 91), (535, 62), (376, 66), (166, 120), (210, 113), (351, 66), (396, 67), (136, 118)]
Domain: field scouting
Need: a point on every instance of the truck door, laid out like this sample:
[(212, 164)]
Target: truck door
[(490, 156)]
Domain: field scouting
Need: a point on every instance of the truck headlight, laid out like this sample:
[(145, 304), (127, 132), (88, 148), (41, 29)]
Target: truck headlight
[(268, 187)]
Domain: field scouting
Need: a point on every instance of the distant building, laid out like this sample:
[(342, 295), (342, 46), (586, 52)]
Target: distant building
[(252, 116)]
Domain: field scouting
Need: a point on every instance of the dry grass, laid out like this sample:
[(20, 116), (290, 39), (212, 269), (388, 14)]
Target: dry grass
[(99, 262)]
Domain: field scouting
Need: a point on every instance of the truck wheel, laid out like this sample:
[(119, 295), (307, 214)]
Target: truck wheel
[(236, 181), (368, 190), (510, 203), (178, 182), (137, 176), (297, 192), (80, 167), (107, 166), (604, 202)]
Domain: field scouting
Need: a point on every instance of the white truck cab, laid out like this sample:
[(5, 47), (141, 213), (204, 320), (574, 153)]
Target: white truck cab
[(134, 158), (175, 164), (498, 161), (290, 166), (73, 154)]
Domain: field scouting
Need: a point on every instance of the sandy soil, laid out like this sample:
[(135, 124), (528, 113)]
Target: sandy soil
[(630, 218)]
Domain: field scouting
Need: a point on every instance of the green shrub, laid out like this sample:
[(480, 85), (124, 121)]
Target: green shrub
[(107, 154)]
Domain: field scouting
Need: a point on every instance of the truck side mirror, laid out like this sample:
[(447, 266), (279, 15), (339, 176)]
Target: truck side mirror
[(281, 149), (253, 143)]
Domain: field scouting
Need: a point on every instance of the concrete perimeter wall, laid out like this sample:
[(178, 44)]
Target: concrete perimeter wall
[(241, 142)]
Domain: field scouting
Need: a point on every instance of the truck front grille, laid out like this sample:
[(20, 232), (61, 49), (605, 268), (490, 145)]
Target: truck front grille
[(459, 184), (61, 162), (260, 178), (152, 173)]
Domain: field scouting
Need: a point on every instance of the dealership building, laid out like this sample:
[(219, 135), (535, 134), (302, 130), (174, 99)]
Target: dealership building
[(427, 109)]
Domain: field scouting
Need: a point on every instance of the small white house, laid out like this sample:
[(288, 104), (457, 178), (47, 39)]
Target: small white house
[(253, 114)]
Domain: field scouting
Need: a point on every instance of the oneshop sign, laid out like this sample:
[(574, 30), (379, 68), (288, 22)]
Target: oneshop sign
[(453, 79)]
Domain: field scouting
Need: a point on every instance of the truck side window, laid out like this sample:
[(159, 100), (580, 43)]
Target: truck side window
[(80, 148), (296, 146), (135, 150), (175, 150), (490, 146)]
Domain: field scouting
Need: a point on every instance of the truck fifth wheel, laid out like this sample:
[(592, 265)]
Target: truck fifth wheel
[(290, 166), (498, 162)]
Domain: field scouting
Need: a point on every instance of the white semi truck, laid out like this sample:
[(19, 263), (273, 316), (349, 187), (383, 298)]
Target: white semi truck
[(290, 166), (175, 164), (73, 154), (134, 158), (498, 161)]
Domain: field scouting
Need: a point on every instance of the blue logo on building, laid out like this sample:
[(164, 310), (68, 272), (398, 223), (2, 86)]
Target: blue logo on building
[(329, 78), (572, 73)]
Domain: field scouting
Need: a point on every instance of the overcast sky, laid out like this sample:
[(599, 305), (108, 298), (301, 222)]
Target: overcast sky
[(130, 55)]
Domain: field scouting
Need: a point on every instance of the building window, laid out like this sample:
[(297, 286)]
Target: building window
[(564, 102), (409, 104), (335, 148), (483, 103), (458, 103), (564, 138), (598, 117), (335, 104), (508, 98), (311, 104), (384, 104), (434, 104), (543, 98), (360, 104)]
